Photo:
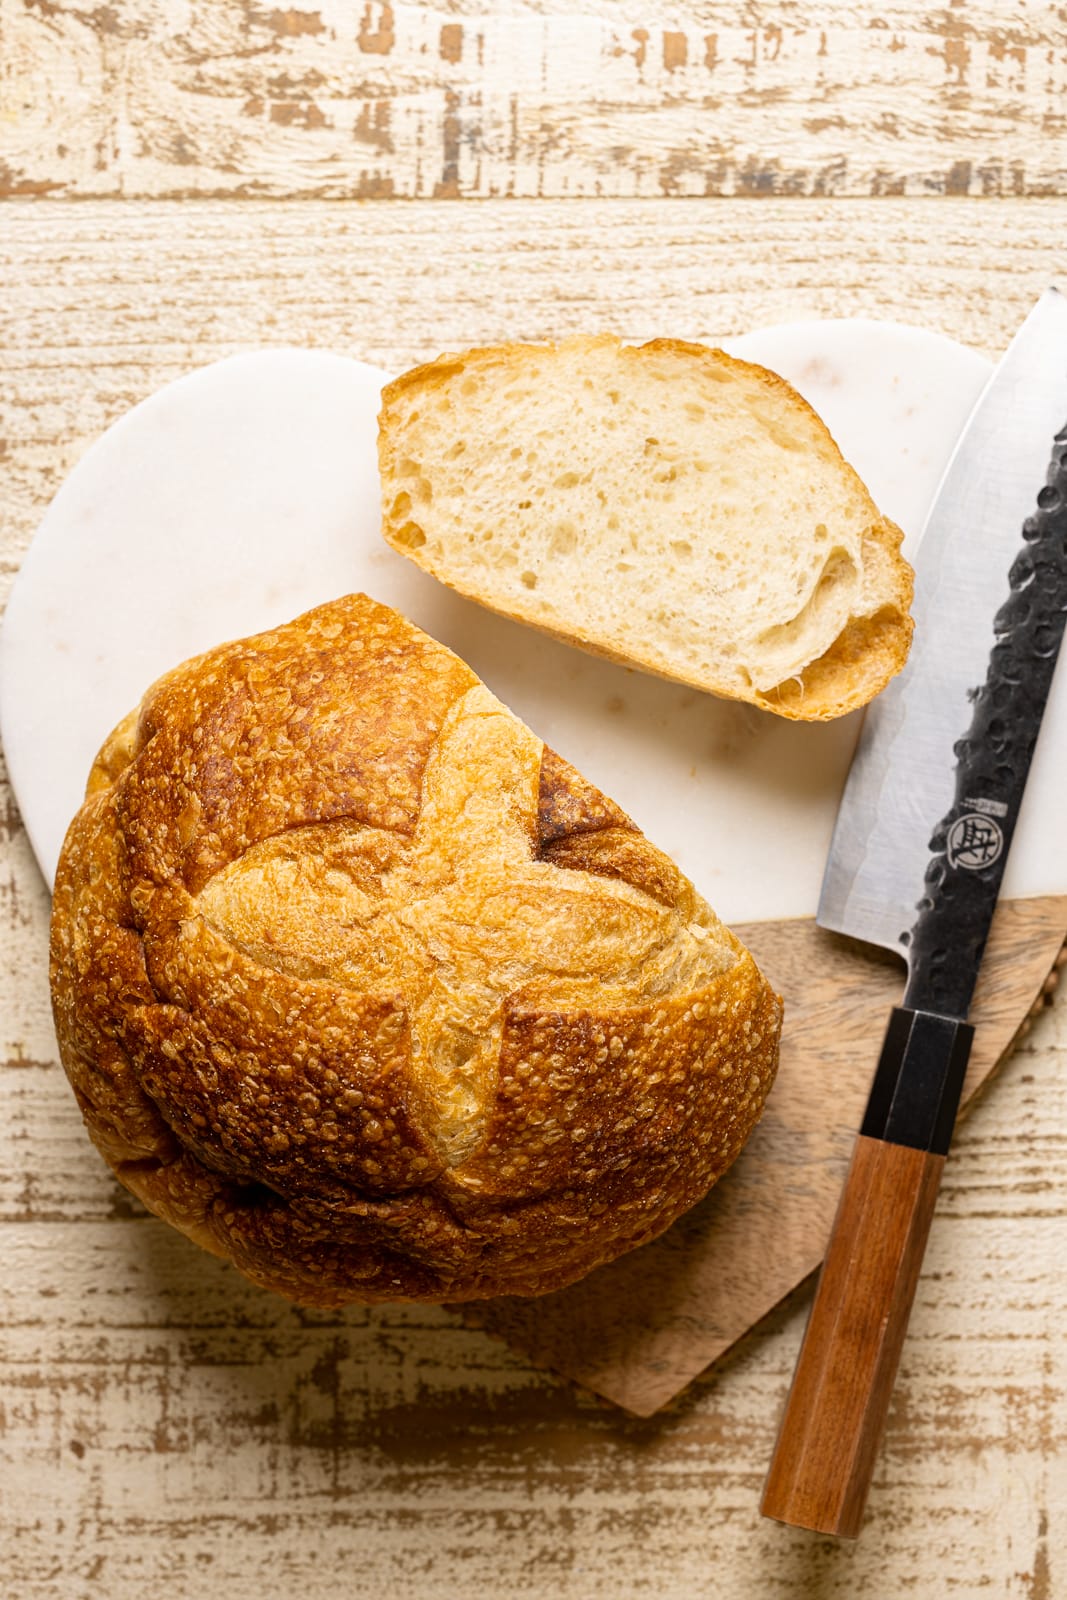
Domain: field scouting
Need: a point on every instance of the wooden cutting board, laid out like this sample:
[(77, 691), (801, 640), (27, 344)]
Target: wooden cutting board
[(247, 492), (638, 1331)]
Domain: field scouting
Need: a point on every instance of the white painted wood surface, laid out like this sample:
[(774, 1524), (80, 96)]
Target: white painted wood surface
[(533, 97), (166, 1429)]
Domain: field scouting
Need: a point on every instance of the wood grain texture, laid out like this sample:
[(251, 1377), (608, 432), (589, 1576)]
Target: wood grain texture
[(542, 97), (835, 1414), (164, 1428)]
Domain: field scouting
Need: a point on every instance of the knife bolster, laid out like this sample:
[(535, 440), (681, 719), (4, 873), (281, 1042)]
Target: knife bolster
[(917, 1085)]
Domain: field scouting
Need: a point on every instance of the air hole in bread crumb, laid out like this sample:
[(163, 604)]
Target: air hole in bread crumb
[(529, 580), (783, 437), (564, 539), (682, 548), (410, 535), (524, 505)]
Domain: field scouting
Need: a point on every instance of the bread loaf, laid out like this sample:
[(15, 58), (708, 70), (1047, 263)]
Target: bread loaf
[(362, 987), (666, 506)]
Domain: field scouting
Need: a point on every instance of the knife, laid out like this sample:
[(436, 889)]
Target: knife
[(915, 865)]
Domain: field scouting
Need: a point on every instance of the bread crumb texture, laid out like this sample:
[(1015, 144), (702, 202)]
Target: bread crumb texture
[(664, 505), (362, 987)]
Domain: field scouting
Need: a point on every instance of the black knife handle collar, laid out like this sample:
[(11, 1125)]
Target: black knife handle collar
[(917, 1086)]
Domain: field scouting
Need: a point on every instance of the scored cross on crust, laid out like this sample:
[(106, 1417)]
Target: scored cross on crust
[(362, 987), (459, 916)]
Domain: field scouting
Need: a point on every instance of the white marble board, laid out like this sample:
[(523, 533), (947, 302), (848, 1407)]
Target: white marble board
[(247, 491)]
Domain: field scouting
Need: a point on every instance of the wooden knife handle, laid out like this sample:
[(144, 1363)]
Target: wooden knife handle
[(830, 1434)]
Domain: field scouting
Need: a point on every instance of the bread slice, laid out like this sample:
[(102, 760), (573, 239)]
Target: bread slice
[(665, 505)]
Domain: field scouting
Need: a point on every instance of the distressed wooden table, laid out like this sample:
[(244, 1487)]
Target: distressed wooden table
[(694, 170)]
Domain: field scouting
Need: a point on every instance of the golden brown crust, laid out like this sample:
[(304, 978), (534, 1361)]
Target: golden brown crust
[(860, 662), (363, 989)]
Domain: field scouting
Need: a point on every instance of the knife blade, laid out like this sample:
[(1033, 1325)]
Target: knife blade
[(916, 861), (901, 779)]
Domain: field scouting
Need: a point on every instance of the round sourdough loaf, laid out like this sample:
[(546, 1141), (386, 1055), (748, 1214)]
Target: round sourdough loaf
[(363, 988)]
